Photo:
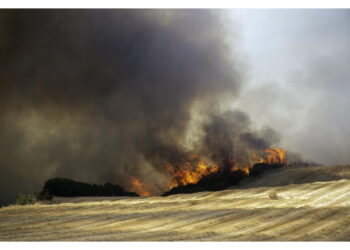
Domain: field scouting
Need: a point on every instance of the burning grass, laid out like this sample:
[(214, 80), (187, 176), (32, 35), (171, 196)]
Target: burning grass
[(194, 175), (221, 180), (189, 173), (199, 177), (139, 187)]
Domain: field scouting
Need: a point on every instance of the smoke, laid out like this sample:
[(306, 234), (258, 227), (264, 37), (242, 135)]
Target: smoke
[(299, 79), (100, 95), (230, 137)]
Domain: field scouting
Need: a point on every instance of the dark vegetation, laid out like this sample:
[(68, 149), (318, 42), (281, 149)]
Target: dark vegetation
[(221, 180), (24, 199), (70, 188)]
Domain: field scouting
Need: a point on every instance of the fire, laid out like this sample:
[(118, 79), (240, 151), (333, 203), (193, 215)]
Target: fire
[(234, 168), (246, 170), (189, 173), (192, 173), (138, 187), (275, 156)]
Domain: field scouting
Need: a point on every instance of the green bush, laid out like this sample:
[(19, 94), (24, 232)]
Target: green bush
[(24, 199)]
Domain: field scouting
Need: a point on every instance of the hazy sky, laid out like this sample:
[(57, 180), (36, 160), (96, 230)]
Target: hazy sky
[(298, 69)]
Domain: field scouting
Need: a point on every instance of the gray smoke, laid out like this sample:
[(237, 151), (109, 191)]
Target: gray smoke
[(229, 137), (299, 79)]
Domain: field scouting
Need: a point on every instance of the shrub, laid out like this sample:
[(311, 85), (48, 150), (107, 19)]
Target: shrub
[(24, 199)]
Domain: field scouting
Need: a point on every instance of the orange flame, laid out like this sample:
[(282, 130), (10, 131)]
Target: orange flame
[(138, 187), (276, 156), (188, 173), (192, 173), (246, 170)]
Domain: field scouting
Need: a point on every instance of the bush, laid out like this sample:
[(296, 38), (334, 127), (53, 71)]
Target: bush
[(24, 199)]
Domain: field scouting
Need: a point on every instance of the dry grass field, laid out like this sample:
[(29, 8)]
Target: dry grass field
[(306, 203)]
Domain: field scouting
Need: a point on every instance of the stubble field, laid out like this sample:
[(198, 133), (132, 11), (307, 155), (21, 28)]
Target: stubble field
[(305, 203)]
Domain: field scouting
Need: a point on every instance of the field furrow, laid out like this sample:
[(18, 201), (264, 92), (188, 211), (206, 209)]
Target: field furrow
[(310, 211)]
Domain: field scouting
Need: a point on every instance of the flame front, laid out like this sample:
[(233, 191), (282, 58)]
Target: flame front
[(138, 187), (189, 173), (275, 156), (272, 156), (193, 170)]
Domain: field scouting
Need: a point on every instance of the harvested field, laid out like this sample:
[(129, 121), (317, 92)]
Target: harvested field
[(314, 211)]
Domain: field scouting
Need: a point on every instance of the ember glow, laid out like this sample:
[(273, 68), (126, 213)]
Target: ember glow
[(138, 187)]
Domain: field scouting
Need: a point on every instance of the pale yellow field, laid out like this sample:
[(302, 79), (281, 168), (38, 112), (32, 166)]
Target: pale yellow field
[(310, 211)]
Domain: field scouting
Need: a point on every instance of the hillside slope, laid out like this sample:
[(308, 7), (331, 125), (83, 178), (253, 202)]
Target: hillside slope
[(309, 211), (297, 175)]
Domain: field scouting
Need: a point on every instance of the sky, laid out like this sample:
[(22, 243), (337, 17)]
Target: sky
[(106, 95)]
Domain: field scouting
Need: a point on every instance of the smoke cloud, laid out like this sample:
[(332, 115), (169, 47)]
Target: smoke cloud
[(100, 95), (106, 95)]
